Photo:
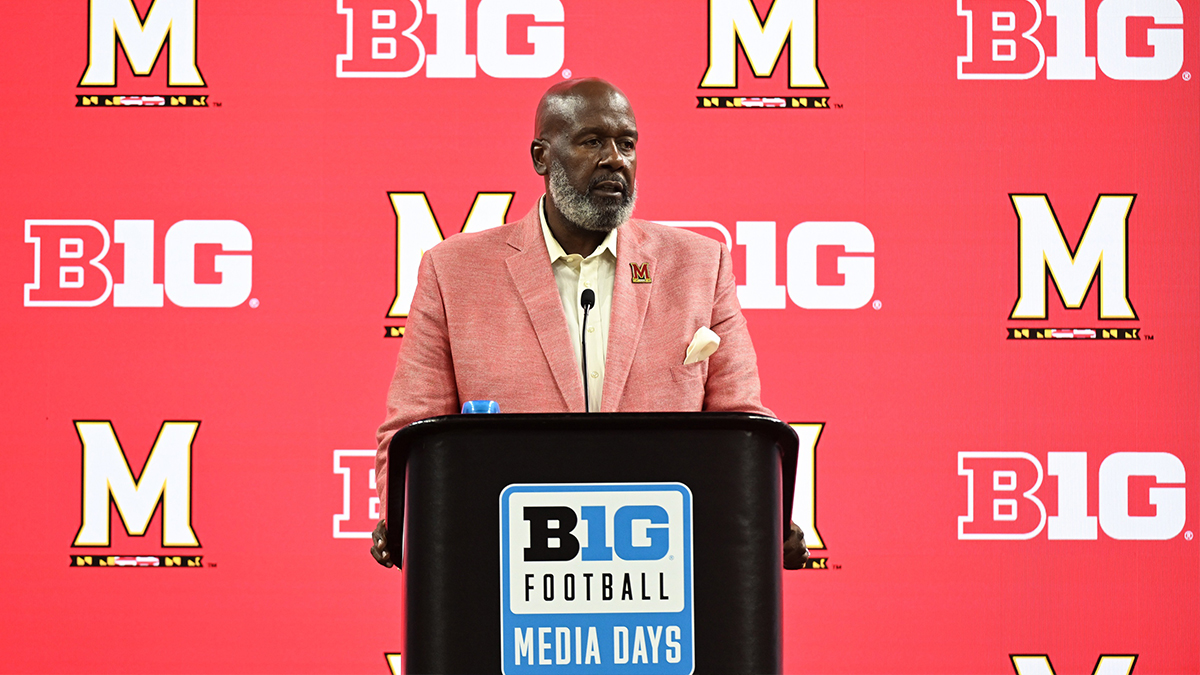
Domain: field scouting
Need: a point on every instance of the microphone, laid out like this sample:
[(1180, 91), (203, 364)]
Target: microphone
[(587, 300)]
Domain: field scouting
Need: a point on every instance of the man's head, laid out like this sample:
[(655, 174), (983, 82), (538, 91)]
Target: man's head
[(585, 144)]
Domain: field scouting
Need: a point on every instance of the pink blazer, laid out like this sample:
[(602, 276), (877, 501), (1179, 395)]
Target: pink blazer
[(487, 322)]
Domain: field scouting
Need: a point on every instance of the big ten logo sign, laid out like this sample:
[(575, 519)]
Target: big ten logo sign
[(830, 264), (167, 22), (790, 23), (1141, 495), (596, 578), (71, 264), (165, 480), (360, 501), (383, 38), (1134, 39)]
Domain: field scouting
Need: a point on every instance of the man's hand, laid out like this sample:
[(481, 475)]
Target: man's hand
[(795, 553), (380, 551)]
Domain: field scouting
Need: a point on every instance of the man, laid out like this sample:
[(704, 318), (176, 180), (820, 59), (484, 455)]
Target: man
[(497, 314)]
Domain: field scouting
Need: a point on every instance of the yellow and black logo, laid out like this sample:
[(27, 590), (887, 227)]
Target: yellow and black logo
[(115, 25), (735, 25), (164, 484), (1044, 255)]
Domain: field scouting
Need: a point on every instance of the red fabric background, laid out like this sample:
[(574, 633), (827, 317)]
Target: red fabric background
[(305, 160)]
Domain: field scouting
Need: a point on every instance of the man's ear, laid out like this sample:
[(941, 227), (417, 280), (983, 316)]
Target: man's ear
[(538, 150)]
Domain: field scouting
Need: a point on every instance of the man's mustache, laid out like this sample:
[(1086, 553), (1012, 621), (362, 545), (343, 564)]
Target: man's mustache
[(613, 178)]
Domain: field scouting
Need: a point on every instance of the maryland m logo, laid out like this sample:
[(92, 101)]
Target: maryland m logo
[(640, 273), (1102, 250), (735, 22), (112, 21), (165, 479), (418, 230)]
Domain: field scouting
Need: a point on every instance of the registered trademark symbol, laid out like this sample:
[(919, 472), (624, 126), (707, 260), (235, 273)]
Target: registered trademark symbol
[(1188, 535), (877, 305), (1187, 75), (253, 303), (567, 73)]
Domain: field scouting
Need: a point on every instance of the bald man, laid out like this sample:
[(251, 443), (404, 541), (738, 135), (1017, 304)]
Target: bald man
[(498, 315)]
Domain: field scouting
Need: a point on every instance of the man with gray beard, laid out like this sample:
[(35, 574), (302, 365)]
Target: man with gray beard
[(498, 315)]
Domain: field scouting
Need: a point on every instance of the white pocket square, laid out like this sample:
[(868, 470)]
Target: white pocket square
[(704, 343)]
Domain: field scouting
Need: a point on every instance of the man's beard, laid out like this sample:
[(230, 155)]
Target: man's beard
[(579, 208)]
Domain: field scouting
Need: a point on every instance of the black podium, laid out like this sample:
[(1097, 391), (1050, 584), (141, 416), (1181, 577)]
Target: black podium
[(598, 543)]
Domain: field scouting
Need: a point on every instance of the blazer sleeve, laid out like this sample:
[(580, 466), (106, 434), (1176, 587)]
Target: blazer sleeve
[(423, 384), (732, 384)]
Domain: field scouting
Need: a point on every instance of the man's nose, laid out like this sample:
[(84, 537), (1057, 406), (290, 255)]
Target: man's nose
[(611, 157)]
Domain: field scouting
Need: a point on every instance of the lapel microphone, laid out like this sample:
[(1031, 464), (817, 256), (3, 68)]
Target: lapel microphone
[(587, 300)]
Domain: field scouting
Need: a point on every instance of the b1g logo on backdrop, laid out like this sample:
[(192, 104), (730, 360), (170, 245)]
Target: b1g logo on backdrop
[(734, 25), (1102, 252), (1141, 496), (360, 501), (115, 27), (71, 267), (596, 578), (830, 264), (1134, 40), (108, 480), (382, 38)]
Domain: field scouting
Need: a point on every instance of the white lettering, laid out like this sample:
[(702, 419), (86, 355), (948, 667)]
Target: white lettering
[(1167, 43), (138, 289), (859, 271), (760, 290), (492, 38), (84, 294), (180, 263), (1011, 59), (450, 59), (1072, 521), (1171, 514), (524, 643)]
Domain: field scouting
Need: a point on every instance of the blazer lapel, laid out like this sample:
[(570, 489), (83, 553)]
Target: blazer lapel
[(530, 270), (629, 305)]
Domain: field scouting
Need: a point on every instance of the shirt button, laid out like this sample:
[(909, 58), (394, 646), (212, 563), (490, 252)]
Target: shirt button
[(591, 329), (587, 284), (595, 374)]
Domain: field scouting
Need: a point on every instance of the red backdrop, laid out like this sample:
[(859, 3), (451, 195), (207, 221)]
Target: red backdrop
[(257, 303)]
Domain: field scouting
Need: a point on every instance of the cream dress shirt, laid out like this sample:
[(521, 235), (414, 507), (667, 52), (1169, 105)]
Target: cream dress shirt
[(573, 273)]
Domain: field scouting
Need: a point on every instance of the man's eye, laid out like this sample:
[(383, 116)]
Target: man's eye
[(592, 142), (627, 145)]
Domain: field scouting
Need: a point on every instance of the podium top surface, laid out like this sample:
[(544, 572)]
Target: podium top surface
[(769, 427)]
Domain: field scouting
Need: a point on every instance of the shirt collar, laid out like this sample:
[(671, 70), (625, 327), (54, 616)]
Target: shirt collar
[(556, 250)]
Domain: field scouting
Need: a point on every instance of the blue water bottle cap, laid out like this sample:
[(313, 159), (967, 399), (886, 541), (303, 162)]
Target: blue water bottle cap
[(471, 407)]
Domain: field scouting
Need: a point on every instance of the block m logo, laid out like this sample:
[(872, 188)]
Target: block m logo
[(735, 22), (1102, 251), (418, 230), (166, 480), (113, 21)]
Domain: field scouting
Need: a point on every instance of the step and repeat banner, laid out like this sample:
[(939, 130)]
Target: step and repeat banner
[(965, 234)]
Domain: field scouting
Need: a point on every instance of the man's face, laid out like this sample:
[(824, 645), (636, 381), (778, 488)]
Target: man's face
[(593, 161)]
